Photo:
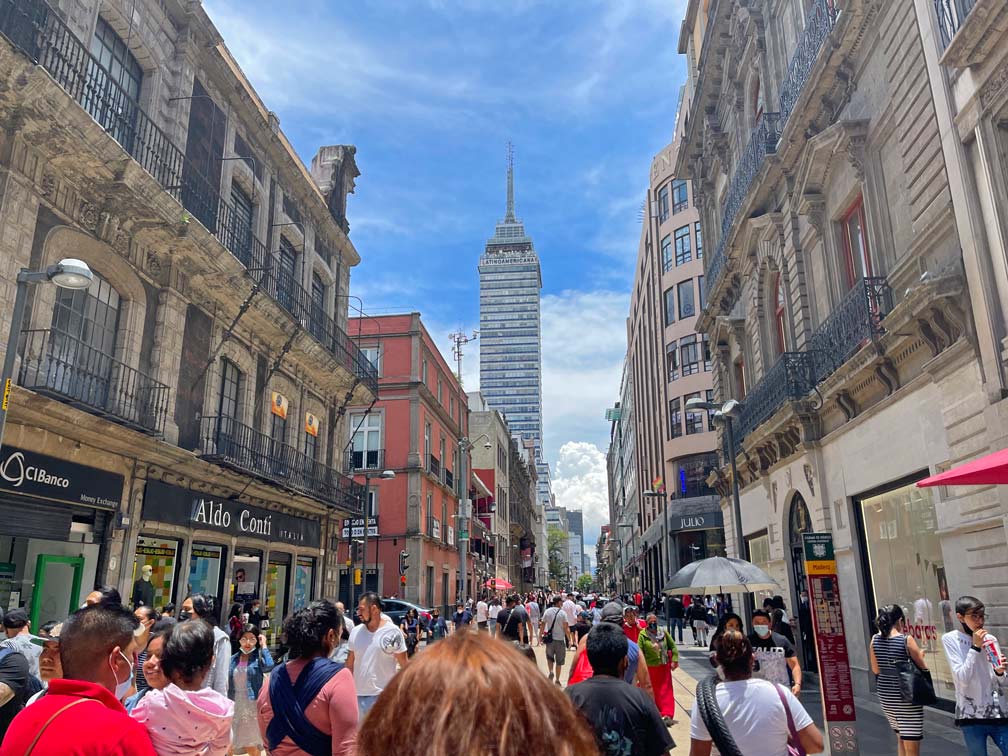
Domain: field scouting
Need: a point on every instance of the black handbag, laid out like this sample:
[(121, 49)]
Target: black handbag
[(916, 685)]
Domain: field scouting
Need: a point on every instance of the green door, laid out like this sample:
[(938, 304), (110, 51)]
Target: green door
[(57, 588)]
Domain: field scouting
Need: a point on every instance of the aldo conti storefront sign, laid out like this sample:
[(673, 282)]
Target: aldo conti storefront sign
[(27, 473), (192, 509)]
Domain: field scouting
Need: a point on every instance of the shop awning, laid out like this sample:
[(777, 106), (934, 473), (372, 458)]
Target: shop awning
[(480, 487), (985, 471)]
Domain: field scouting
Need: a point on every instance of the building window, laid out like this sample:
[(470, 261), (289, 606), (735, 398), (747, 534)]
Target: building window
[(675, 418), (857, 256), (311, 446), (287, 262), (115, 57), (689, 355), (278, 429), (699, 240), (672, 360), (423, 371), (710, 413), (683, 252), (430, 514), (366, 444), (780, 340), (666, 253), (227, 409), (373, 355), (694, 419), (740, 378), (906, 566), (451, 406), (708, 363), (426, 443), (317, 322), (680, 196), (669, 306), (700, 288), (439, 398), (686, 305), (241, 223), (663, 204)]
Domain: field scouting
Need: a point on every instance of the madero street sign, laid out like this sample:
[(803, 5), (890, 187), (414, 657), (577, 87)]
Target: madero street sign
[(831, 645)]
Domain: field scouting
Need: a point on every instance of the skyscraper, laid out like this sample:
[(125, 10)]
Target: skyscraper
[(510, 353)]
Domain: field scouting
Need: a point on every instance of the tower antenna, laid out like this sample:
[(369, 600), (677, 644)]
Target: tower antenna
[(509, 216)]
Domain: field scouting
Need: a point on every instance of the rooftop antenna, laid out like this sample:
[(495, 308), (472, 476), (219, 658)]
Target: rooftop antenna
[(509, 216), (459, 340)]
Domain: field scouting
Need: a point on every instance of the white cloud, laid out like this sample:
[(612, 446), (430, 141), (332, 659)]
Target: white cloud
[(580, 483)]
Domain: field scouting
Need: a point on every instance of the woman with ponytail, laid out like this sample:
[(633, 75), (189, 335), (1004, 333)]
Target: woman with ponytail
[(891, 645)]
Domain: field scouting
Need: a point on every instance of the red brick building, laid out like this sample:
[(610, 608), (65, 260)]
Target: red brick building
[(413, 429)]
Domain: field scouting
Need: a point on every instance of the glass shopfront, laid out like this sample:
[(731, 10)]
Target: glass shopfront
[(205, 564), (277, 579), (304, 579), (758, 552), (905, 565), (160, 555)]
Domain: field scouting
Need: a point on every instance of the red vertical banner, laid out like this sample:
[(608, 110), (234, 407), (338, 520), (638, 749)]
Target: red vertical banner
[(831, 643)]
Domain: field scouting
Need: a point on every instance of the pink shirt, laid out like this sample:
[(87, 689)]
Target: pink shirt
[(334, 711)]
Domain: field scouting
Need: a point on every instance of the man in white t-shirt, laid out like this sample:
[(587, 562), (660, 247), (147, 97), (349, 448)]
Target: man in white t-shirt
[(481, 615), (376, 647), (532, 607), (554, 622), (571, 610)]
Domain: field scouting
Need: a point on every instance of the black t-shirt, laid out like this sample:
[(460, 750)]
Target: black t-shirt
[(676, 608), (14, 673), (772, 654), (626, 721), (515, 618), (582, 628)]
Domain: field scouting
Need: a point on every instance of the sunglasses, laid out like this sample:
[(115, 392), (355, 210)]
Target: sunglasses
[(977, 614)]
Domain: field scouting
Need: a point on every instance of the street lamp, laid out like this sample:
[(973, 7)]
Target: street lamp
[(368, 476), (68, 273)]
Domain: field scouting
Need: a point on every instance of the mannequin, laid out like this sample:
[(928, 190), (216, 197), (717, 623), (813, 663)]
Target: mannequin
[(143, 590)]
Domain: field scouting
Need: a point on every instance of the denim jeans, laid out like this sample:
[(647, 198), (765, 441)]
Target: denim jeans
[(976, 738), (364, 704), (677, 624)]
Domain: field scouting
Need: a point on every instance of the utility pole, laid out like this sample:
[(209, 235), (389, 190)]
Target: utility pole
[(459, 340)]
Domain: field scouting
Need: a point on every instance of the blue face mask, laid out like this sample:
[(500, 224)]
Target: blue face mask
[(122, 688), (762, 631)]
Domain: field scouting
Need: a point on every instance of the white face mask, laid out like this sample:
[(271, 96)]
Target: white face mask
[(762, 630), (122, 688)]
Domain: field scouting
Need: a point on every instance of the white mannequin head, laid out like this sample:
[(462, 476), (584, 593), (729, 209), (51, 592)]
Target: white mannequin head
[(145, 572)]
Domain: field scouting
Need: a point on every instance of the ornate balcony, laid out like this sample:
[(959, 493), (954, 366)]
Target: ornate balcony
[(73, 371), (818, 25), (40, 33), (855, 321), (790, 379), (952, 15), (364, 461), (762, 142), (449, 478), (230, 443), (434, 466)]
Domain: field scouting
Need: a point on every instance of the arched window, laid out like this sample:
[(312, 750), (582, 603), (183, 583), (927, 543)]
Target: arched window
[(854, 235), (780, 338), (757, 101)]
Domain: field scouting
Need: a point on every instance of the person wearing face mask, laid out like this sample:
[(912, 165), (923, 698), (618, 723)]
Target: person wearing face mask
[(248, 666), (151, 654), (309, 705), (184, 718), (97, 645), (662, 658), (774, 654), (981, 685), (204, 607)]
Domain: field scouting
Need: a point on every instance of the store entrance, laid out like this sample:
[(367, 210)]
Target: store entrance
[(57, 587)]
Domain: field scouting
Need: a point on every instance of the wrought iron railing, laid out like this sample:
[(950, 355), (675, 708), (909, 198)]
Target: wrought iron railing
[(855, 321), (370, 459), (818, 24), (789, 379), (226, 441), (951, 16), (762, 142), (434, 466), (39, 32), (449, 478), (74, 371)]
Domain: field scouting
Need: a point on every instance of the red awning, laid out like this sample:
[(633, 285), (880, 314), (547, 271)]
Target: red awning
[(992, 468)]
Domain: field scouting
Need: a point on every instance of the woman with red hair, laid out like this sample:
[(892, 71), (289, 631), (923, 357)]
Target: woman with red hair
[(479, 681)]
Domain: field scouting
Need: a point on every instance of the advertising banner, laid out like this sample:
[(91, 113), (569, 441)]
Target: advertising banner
[(357, 525)]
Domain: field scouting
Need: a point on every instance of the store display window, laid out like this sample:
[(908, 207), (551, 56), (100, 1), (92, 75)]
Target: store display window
[(205, 564), (154, 570)]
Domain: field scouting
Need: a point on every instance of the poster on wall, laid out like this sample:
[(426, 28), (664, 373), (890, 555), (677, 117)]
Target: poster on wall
[(204, 569), (279, 404), (158, 556), (311, 424), (246, 578), (304, 573)]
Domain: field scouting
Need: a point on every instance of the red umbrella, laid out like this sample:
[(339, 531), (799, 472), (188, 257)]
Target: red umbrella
[(980, 472), (498, 584)]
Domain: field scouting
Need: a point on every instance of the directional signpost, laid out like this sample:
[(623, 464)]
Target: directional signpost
[(831, 644)]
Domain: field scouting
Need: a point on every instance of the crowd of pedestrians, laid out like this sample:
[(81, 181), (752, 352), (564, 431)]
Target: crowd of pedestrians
[(108, 680)]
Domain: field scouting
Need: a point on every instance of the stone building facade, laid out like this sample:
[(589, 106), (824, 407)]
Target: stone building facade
[(845, 167), (491, 439), (191, 399)]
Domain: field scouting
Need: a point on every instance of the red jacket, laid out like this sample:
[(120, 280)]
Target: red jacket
[(629, 631), (98, 727)]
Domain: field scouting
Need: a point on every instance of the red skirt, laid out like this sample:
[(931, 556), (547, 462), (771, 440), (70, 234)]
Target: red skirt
[(661, 681)]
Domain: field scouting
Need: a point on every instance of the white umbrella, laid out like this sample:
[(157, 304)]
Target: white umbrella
[(720, 575)]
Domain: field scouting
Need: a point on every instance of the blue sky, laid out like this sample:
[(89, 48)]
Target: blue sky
[(430, 92)]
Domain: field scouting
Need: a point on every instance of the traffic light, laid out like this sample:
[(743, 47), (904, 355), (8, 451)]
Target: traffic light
[(402, 580), (357, 576), (403, 565)]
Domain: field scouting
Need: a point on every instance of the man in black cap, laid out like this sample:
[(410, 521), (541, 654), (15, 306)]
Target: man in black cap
[(19, 638)]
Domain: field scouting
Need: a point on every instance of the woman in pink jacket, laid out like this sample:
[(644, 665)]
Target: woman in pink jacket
[(185, 719)]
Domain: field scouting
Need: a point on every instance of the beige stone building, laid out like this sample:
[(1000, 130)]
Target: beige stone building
[(850, 164), (186, 408), (670, 516), (490, 454)]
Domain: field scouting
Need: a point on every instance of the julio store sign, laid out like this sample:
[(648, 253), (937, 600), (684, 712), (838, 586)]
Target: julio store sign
[(30, 474), (191, 509)]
